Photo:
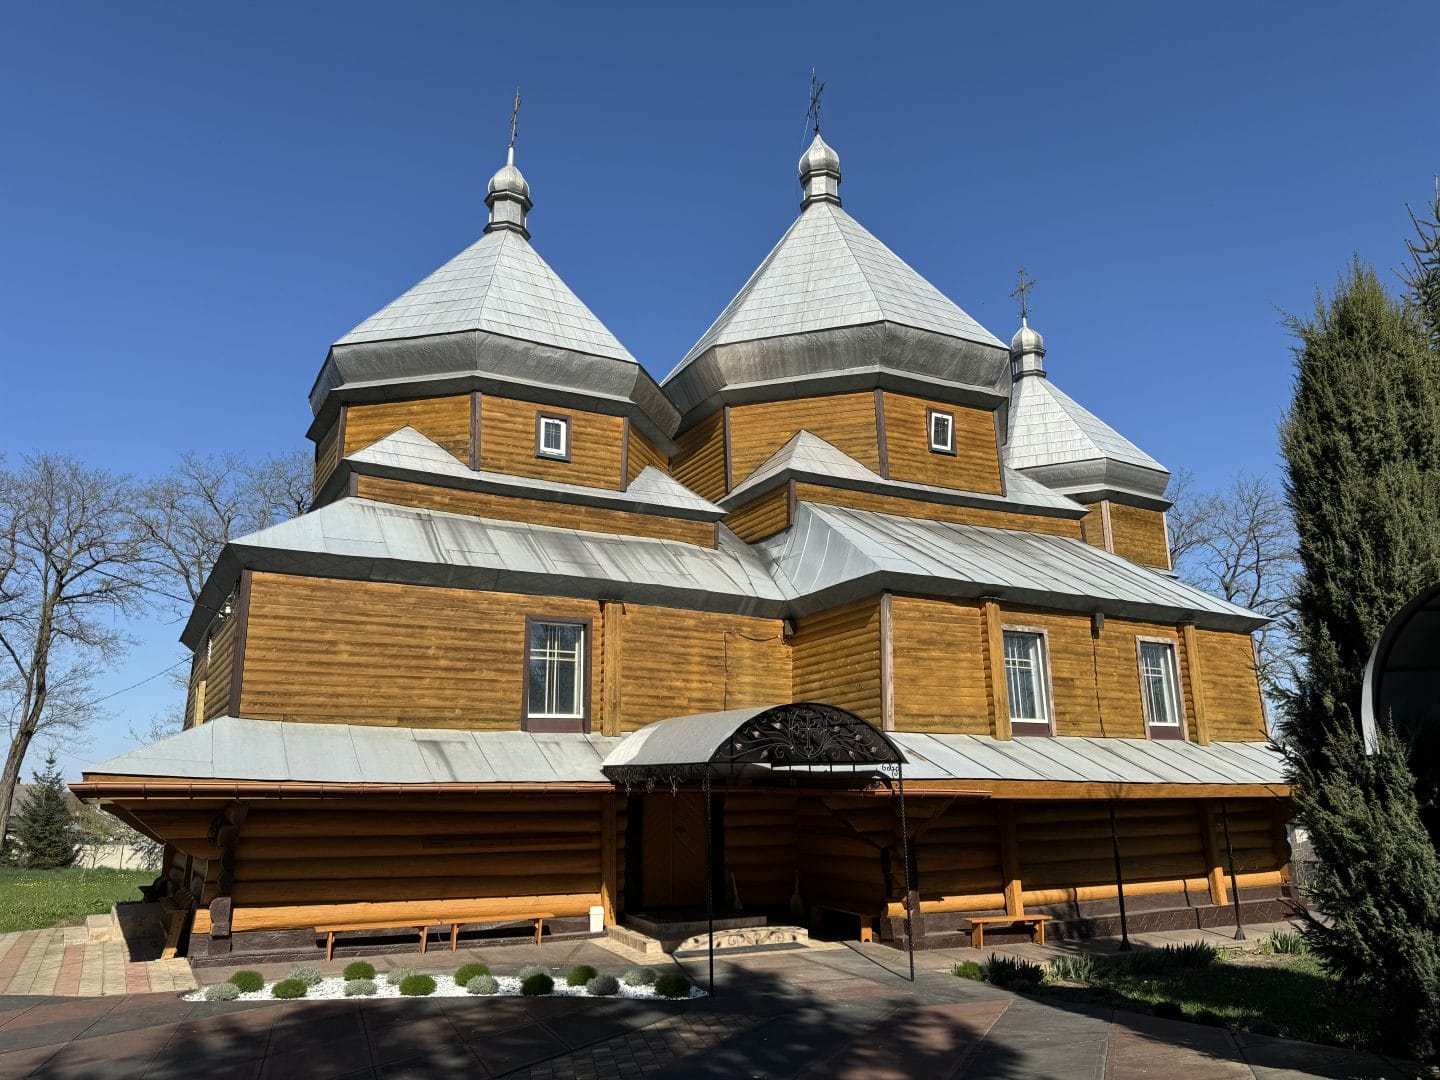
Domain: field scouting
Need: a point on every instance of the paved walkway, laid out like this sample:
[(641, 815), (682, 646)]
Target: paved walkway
[(88, 960), (842, 1012)]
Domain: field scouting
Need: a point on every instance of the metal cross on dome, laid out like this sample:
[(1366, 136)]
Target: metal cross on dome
[(816, 89), (1021, 292), (515, 119)]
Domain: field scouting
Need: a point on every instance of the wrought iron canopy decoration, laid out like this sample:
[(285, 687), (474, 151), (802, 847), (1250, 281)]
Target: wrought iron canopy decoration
[(783, 736)]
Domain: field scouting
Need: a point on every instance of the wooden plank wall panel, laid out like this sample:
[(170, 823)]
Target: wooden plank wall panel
[(847, 421), (507, 443), (958, 859), (678, 662), (331, 651), (699, 461), (1093, 527), (218, 669), (1139, 535), (835, 657), (929, 511), (1232, 687), (327, 456), (535, 511), (445, 421), (642, 452), (762, 517), (760, 848), (975, 465), (838, 868), (939, 666)]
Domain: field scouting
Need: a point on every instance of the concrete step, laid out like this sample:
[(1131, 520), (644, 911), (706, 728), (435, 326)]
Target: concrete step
[(672, 928), (748, 937), (633, 939), (101, 928)]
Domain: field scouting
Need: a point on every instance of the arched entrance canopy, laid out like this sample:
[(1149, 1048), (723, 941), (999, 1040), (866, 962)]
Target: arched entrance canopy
[(1402, 677), (725, 745)]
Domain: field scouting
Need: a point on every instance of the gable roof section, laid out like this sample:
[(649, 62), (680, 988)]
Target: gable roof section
[(499, 285), (828, 271), (1048, 427)]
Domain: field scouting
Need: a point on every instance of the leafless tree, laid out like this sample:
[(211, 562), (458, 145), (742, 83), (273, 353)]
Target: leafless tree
[(1239, 543), (69, 562), (189, 514)]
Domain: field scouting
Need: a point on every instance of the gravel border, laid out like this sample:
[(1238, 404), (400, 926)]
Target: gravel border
[(445, 986)]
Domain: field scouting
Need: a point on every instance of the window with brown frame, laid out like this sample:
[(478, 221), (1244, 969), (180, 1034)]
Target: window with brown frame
[(557, 674), (1160, 689), (1027, 681)]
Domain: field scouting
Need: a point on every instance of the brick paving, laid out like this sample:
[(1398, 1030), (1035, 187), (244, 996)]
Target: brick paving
[(90, 960)]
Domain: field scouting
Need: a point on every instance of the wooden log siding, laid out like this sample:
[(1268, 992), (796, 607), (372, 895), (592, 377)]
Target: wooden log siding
[(535, 511), (929, 511), (838, 867), (445, 421), (219, 667), (699, 461), (835, 658), (846, 421), (760, 849), (1139, 535), (940, 671), (327, 456), (1233, 705), (762, 517), (975, 465), (640, 453), (507, 443)]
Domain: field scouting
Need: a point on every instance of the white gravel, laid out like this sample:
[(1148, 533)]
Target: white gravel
[(445, 986)]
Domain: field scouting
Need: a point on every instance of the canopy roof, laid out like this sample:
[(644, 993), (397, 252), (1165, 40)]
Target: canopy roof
[(1402, 676)]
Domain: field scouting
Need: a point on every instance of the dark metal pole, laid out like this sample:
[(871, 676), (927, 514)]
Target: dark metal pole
[(905, 856), (1234, 887), (709, 883), (1119, 881)]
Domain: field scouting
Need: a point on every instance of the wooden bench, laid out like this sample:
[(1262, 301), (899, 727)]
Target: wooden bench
[(867, 922), (979, 922), (176, 910), (422, 926)]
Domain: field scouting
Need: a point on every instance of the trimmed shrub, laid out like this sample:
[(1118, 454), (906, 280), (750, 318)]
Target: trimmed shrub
[(580, 975), (248, 981), (288, 989), (483, 984), (672, 985), (532, 969), (1195, 954), (222, 992), (602, 986), (468, 972), (1018, 975), (969, 969), (536, 984), (417, 986), (360, 987), (1168, 1010), (638, 976), (1077, 968), (310, 976), (395, 976), (359, 970)]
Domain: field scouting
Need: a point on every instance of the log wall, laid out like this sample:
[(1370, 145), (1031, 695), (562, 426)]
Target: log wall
[(507, 443), (760, 849), (219, 667), (1233, 705), (931, 511), (327, 456), (835, 659), (940, 669), (1139, 535), (445, 421), (761, 517), (846, 421), (641, 452), (975, 465), (699, 461)]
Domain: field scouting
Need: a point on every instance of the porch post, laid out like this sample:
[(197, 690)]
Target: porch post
[(1119, 880), (905, 858), (709, 883), (1234, 885)]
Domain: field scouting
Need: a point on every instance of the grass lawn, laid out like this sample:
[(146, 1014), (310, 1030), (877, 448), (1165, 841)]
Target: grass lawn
[(1284, 994), (32, 899)]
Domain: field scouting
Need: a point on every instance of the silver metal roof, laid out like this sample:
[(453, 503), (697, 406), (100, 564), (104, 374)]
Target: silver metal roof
[(680, 739), (408, 454), (835, 554), (229, 748), (806, 456), (499, 284), (1069, 448)]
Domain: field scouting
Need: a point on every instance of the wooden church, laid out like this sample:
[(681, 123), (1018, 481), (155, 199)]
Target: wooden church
[(561, 646)]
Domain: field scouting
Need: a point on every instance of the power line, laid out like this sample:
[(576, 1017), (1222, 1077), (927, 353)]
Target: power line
[(142, 682)]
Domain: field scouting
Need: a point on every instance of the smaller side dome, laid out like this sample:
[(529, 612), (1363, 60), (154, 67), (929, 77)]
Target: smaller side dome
[(508, 198), (508, 179), (1027, 351), (820, 173)]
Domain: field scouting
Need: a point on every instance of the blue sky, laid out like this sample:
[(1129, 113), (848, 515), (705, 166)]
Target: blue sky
[(195, 200)]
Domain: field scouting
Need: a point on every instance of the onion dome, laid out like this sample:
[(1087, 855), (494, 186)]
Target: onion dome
[(1027, 351), (820, 173), (508, 198)]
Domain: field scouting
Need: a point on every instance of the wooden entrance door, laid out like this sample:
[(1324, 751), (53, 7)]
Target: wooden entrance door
[(672, 853)]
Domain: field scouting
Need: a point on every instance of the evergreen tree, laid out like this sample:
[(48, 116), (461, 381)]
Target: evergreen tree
[(1362, 449), (1423, 274), (44, 829)]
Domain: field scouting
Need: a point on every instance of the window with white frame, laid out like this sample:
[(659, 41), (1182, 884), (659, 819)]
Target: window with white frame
[(1025, 682), (552, 437), (1160, 688), (555, 676), (942, 432)]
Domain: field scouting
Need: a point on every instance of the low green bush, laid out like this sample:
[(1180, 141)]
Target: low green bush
[(536, 984), (1285, 941), (222, 992), (417, 986), (289, 988), (602, 986), (1195, 954), (672, 985), (468, 972), (532, 969), (639, 976), (395, 976), (969, 969), (1012, 974), (310, 976), (359, 970), (248, 981), (1076, 968), (580, 975), (360, 987), (483, 984)]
